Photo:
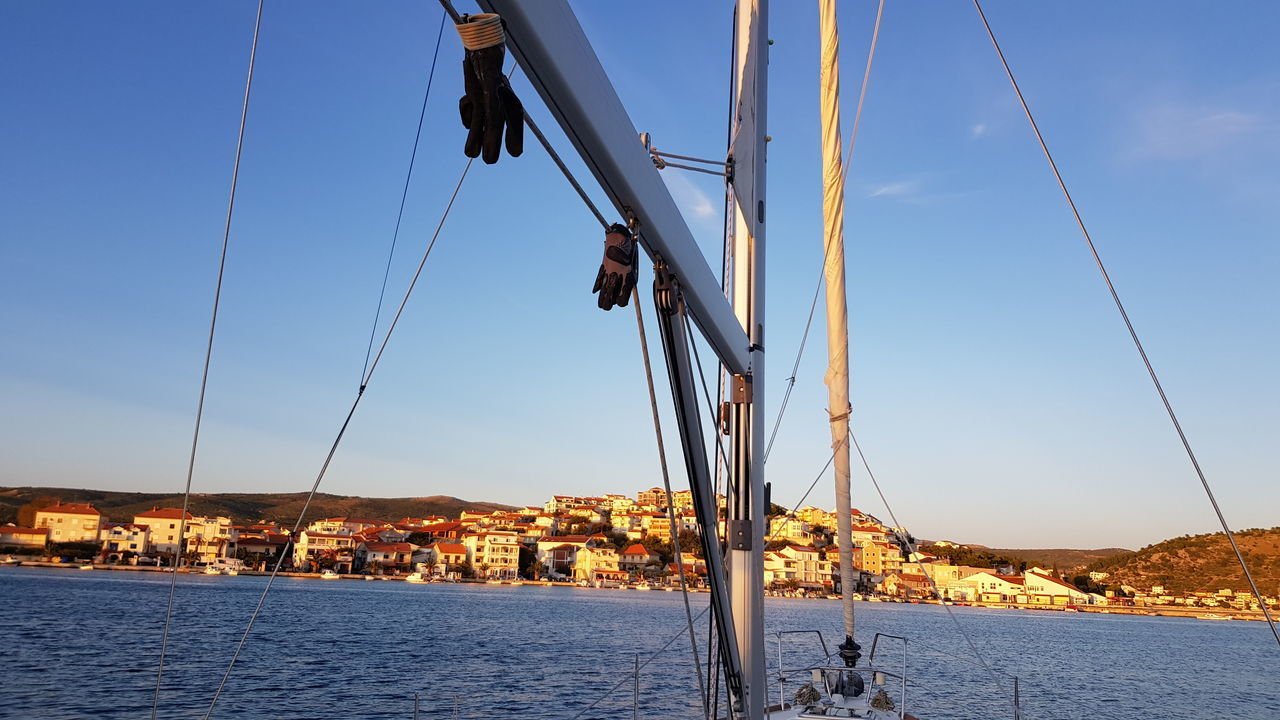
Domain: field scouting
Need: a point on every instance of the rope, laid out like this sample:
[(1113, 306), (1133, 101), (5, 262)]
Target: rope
[(853, 138), (1133, 334), (333, 449), (204, 375), (666, 484), (643, 665), (404, 194)]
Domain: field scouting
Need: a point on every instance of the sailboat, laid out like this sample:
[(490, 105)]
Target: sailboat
[(547, 41)]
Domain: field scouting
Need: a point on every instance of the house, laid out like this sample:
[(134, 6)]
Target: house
[(636, 558), (259, 546), (597, 563), (494, 554), (799, 564), (70, 522), (907, 585), (388, 555), (118, 539), (656, 497), (789, 527), (987, 586), (162, 524), (20, 538), (1045, 590), (324, 550), (449, 530), (556, 553), (440, 556)]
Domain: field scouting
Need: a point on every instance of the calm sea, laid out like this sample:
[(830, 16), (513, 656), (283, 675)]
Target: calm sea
[(84, 645)]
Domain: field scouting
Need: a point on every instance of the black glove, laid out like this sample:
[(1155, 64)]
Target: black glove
[(488, 105), (617, 276)]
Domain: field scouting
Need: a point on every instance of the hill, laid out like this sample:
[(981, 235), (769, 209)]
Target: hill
[(246, 507), (1065, 559), (1196, 563)]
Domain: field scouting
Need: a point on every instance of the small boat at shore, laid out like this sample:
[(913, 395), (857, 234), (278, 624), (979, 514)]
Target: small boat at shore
[(329, 575), (416, 578), (1214, 616), (212, 571), (88, 566)]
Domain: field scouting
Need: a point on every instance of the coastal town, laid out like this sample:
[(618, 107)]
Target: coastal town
[(609, 541)]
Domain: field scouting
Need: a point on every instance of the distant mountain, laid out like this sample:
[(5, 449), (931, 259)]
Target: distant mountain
[(247, 507), (1196, 563), (1064, 559)]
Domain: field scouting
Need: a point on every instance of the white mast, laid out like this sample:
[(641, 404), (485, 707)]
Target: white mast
[(746, 502), (837, 377)]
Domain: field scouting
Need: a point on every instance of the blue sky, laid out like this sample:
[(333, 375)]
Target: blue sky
[(995, 390)]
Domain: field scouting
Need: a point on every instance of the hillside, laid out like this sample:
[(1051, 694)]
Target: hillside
[(246, 507), (1065, 559), (1194, 563)]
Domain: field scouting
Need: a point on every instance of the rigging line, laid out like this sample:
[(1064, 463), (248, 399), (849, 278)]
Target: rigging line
[(643, 665), (995, 675), (844, 173), (404, 194), (812, 485), (666, 484), (702, 378), (333, 449), (208, 356), (1133, 333)]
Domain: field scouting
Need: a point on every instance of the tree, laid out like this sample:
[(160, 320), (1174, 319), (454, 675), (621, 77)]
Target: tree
[(465, 569), (690, 543), (27, 513), (776, 510)]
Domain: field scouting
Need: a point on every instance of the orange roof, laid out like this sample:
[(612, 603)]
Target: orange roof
[(450, 548), (163, 514), (389, 547), (70, 509), (636, 549), (912, 577), (12, 530)]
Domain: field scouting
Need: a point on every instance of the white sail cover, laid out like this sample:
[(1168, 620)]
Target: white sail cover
[(747, 133), (837, 377)]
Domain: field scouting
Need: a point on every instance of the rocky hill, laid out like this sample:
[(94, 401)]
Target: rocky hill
[(1066, 560), (1194, 563), (246, 507)]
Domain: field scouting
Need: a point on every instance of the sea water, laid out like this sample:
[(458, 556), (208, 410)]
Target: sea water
[(86, 644)]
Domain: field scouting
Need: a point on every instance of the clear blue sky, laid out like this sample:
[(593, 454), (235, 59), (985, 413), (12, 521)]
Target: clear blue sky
[(995, 389)]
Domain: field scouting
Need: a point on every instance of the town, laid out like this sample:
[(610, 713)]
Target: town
[(610, 541)]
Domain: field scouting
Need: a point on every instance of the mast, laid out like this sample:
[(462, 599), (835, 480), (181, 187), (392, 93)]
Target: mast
[(837, 377), (746, 502)]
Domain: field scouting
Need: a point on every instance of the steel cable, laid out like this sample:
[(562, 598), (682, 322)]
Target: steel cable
[(1133, 333), (208, 356)]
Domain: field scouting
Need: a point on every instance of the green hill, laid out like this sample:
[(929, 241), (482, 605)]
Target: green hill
[(1196, 563), (246, 507)]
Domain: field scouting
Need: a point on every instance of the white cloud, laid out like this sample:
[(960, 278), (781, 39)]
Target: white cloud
[(1181, 131), (897, 189), (978, 130), (689, 197)]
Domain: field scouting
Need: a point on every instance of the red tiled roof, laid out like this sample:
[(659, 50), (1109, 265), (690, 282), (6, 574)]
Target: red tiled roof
[(163, 514), (389, 547), (71, 509), (636, 549), (12, 530), (579, 539), (450, 548)]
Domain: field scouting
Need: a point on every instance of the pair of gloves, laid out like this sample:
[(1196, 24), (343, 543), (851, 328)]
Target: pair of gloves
[(489, 104)]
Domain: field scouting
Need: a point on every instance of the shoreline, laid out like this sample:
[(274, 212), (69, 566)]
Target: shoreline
[(1218, 614)]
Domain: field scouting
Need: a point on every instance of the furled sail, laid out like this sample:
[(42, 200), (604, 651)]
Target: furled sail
[(837, 377)]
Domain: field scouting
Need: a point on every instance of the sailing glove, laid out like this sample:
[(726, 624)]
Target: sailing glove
[(617, 276), (489, 104)]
